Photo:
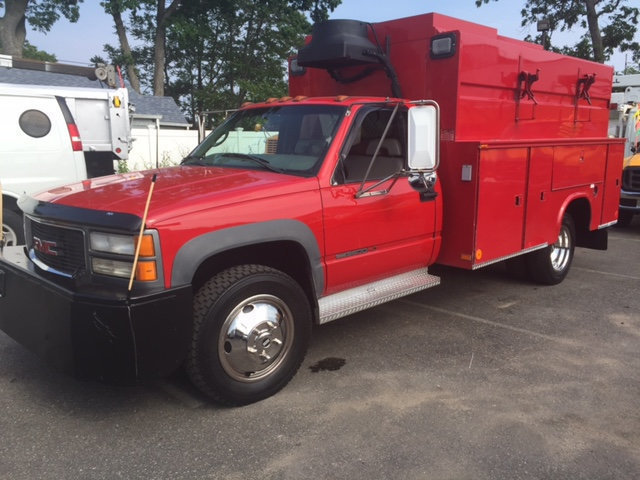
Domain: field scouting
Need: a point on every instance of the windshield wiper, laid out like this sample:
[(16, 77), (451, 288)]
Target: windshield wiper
[(260, 161)]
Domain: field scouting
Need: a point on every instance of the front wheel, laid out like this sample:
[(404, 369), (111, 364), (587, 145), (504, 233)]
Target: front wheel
[(550, 265), (251, 331)]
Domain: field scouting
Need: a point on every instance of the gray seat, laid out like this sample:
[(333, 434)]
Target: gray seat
[(388, 161)]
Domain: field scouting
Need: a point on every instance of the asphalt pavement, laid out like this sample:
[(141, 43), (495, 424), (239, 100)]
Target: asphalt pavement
[(484, 377)]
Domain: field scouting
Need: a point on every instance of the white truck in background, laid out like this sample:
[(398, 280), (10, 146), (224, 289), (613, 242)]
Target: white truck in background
[(52, 136), (624, 122)]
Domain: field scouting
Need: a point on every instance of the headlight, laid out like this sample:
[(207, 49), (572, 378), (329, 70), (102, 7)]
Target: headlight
[(115, 268), (112, 243)]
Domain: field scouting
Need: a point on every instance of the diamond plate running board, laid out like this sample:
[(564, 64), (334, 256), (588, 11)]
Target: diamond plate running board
[(366, 296)]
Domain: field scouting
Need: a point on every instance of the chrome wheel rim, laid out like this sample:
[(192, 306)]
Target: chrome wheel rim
[(256, 338), (561, 250), (9, 235)]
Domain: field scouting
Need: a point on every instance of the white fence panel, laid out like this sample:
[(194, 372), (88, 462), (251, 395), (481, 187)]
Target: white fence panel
[(161, 148)]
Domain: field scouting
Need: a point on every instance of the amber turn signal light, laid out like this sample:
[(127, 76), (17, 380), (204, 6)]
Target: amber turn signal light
[(146, 271), (146, 247)]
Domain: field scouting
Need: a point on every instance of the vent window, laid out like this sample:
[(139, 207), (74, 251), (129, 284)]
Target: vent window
[(35, 123)]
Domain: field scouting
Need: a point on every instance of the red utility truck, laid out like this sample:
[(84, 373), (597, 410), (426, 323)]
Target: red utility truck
[(404, 143)]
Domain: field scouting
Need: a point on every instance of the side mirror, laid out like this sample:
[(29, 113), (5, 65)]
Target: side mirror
[(424, 136)]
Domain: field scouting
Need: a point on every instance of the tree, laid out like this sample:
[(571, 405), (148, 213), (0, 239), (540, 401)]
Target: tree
[(224, 53), (32, 52), (213, 53), (41, 15), (156, 15), (125, 57), (611, 25)]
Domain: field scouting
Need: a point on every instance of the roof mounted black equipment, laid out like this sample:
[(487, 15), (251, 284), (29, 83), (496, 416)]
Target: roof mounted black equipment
[(336, 44)]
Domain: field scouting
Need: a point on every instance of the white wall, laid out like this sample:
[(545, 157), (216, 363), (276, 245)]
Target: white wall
[(172, 146)]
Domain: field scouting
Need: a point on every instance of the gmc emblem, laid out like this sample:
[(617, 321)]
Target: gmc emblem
[(46, 247)]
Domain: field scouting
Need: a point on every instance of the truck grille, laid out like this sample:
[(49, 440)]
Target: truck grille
[(631, 179), (59, 248)]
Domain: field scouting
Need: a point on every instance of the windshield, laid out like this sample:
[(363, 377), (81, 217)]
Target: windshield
[(289, 139)]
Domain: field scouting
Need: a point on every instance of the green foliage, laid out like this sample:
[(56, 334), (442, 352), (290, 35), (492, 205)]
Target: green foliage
[(123, 166), (32, 52), (220, 53), (42, 14), (163, 162), (614, 23)]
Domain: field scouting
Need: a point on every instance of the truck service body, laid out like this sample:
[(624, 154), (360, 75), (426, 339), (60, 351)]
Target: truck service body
[(445, 143)]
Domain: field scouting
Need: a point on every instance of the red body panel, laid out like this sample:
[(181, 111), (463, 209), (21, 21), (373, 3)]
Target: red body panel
[(376, 237), (477, 87), (514, 194)]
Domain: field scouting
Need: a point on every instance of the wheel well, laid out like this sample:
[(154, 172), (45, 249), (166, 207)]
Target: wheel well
[(580, 211), (286, 256)]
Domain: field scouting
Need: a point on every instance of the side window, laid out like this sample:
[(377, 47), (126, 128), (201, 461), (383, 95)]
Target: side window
[(35, 123), (363, 142)]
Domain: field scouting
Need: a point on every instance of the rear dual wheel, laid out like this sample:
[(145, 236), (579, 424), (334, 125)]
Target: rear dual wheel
[(251, 331), (550, 265)]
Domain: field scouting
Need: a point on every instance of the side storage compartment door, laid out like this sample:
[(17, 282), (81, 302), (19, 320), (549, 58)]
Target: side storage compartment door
[(501, 203), (541, 210)]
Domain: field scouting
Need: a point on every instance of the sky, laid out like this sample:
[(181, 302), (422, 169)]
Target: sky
[(77, 43)]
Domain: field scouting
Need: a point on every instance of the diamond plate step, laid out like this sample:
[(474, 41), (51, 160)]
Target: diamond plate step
[(366, 296)]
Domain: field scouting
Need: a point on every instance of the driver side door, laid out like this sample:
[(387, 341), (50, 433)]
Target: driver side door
[(388, 232)]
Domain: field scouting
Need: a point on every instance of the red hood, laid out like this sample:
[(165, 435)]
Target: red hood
[(178, 190)]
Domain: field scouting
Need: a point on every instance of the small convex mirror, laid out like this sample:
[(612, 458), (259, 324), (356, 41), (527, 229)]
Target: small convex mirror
[(423, 137)]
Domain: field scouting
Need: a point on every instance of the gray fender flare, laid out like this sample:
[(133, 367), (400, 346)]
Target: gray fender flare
[(193, 253)]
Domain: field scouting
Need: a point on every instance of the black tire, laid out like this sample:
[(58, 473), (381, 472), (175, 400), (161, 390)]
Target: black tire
[(550, 265), (625, 218), (251, 330), (12, 228)]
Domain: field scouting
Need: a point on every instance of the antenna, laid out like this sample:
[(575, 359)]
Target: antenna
[(144, 221)]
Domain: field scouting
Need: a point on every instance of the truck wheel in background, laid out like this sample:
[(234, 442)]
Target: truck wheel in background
[(550, 265), (250, 334), (624, 218), (12, 228)]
